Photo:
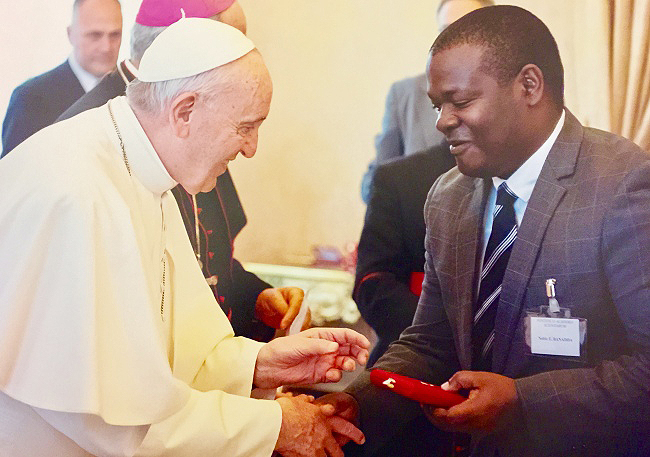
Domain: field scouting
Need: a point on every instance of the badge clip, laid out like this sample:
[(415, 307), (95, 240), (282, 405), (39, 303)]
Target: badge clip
[(552, 331)]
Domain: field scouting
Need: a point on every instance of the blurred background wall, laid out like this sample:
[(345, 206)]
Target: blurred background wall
[(332, 64)]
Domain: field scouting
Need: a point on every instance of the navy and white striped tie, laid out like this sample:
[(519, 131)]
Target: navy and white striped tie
[(495, 261)]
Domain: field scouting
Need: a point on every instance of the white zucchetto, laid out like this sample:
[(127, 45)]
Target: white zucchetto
[(192, 46)]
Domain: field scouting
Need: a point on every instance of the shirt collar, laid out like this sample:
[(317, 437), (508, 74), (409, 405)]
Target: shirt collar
[(127, 71), (523, 180), (143, 158), (87, 80)]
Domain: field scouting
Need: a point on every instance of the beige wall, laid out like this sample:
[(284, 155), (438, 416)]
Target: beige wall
[(332, 64)]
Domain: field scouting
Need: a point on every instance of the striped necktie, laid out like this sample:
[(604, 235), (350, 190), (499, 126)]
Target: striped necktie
[(495, 261)]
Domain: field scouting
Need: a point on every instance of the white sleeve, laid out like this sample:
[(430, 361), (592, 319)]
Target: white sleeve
[(216, 424), (229, 367), (210, 424)]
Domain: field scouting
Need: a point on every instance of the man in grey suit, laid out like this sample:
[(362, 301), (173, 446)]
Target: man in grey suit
[(407, 125), (579, 205)]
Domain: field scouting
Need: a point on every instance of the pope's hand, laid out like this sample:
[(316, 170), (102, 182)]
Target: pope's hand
[(340, 406), (314, 355), (307, 431), (278, 307), (491, 404)]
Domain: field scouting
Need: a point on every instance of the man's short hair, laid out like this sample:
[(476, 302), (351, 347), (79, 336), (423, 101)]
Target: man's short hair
[(482, 2), (77, 3), (512, 38)]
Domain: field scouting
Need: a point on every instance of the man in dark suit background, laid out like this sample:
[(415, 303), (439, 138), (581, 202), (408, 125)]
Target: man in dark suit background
[(95, 35), (579, 206), (391, 248), (254, 307)]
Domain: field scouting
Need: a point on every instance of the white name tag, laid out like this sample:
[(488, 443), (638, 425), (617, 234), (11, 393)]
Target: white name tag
[(550, 336)]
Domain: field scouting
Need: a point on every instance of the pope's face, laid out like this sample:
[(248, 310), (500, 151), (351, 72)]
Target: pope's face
[(226, 126), (480, 119), (96, 34)]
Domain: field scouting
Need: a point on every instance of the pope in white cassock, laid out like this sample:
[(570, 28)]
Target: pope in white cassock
[(111, 341)]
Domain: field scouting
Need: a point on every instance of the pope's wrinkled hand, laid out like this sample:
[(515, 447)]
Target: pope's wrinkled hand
[(314, 355), (308, 431), (278, 307)]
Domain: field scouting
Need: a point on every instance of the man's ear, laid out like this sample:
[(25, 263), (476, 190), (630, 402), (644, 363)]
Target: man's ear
[(531, 82), (181, 113)]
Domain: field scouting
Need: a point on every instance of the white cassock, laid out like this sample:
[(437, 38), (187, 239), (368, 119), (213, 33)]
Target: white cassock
[(93, 360)]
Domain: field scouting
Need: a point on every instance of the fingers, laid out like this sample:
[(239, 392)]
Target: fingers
[(271, 307), (344, 404), (464, 380), (441, 418), (361, 355), (307, 323), (292, 298), (311, 347), (292, 293), (332, 447), (341, 440), (455, 415), (482, 411), (350, 342), (327, 410), (333, 375), (343, 336), (345, 363), (347, 429), (302, 397), (289, 316)]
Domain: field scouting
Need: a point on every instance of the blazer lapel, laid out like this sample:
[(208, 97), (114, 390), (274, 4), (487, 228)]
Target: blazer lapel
[(464, 285), (546, 196), (74, 89)]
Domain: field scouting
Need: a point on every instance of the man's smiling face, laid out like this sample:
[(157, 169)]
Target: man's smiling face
[(480, 118)]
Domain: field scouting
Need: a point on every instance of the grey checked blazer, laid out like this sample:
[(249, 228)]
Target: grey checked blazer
[(587, 224)]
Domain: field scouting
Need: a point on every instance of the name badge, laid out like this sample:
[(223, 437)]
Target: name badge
[(551, 336)]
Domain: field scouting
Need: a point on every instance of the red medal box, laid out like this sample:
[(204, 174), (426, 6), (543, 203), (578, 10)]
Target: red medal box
[(415, 390)]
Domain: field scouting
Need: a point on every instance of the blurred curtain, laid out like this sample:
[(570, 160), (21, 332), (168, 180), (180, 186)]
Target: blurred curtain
[(629, 70), (587, 80)]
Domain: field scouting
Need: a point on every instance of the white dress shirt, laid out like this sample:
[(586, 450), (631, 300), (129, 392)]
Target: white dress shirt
[(521, 182), (87, 80)]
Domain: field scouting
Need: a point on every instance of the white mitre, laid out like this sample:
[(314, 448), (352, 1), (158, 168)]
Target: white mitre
[(191, 46)]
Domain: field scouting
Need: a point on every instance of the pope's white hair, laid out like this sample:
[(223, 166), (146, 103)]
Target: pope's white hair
[(155, 97)]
